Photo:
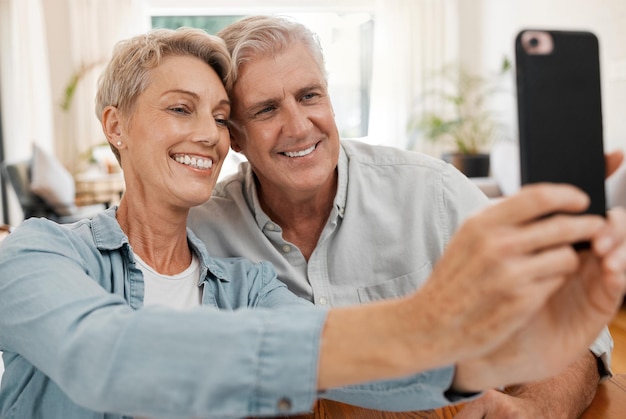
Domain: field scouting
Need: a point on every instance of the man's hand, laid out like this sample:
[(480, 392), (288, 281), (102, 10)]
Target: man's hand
[(613, 161), (501, 268), (494, 404), (575, 314), (569, 393), (509, 301), (561, 397)]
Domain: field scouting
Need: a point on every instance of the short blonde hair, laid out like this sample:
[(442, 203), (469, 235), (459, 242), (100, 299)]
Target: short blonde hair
[(126, 75)]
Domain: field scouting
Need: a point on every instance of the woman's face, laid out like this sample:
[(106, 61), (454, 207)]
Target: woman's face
[(176, 139)]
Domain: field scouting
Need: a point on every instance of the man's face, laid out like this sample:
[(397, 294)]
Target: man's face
[(284, 123)]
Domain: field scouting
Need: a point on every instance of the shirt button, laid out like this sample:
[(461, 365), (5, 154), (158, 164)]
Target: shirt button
[(323, 301), (286, 248), (284, 405), (271, 226)]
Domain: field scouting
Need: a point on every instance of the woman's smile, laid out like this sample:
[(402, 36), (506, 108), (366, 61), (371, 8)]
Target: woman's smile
[(197, 162)]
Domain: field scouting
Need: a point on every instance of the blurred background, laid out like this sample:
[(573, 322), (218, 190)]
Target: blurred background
[(383, 58)]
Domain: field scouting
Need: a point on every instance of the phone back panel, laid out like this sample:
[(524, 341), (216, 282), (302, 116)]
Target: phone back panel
[(560, 115)]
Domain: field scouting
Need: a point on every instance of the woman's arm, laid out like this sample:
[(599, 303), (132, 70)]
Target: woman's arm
[(151, 362)]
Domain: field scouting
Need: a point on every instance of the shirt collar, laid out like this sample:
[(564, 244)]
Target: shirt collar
[(252, 197), (342, 182), (262, 219), (108, 235)]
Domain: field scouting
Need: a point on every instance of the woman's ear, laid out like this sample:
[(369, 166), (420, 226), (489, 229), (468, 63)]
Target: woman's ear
[(112, 126)]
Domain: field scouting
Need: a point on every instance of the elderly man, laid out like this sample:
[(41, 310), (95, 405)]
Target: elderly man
[(346, 223)]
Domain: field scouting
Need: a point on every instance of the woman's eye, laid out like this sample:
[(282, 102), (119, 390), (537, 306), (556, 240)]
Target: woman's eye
[(221, 121), (179, 109)]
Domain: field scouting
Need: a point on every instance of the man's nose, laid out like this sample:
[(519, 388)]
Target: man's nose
[(297, 123)]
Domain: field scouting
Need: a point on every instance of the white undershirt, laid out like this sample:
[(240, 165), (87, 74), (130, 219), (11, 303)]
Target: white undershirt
[(180, 291)]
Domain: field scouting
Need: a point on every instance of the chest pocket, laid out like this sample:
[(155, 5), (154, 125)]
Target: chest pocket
[(395, 287)]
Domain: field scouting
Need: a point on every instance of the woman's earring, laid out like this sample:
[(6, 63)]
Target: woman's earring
[(119, 143)]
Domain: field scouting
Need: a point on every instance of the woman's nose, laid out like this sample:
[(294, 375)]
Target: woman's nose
[(208, 131)]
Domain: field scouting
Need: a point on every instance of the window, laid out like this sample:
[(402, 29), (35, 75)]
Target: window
[(347, 40)]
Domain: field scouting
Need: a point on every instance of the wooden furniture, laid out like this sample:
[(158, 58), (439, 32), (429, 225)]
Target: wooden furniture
[(99, 188), (618, 331), (326, 409), (610, 400), (609, 403), (4, 231)]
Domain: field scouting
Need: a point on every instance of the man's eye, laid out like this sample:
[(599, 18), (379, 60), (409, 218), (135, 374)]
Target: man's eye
[(309, 96), (265, 110)]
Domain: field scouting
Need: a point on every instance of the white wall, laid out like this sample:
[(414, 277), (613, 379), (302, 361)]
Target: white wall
[(486, 33), (57, 19), (606, 18)]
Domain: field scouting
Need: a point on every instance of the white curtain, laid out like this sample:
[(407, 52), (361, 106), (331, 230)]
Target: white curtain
[(25, 83), (412, 38), (95, 27)]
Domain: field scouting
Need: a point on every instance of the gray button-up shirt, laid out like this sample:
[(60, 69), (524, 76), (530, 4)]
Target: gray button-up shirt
[(393, 216)]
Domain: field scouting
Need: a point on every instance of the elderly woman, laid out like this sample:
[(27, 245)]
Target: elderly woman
[(127, 315)]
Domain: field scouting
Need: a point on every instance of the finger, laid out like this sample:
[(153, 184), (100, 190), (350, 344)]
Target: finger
[(540, 234), (472, 410), (613, 161), (605, 294), (536, 201), (615, 262), (601, 292), (616, 287), (551, 263), (528, 283), (610, 242), (613, 234)]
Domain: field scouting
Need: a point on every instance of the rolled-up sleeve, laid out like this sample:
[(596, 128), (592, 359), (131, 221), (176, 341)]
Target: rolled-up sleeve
[(602, 348)]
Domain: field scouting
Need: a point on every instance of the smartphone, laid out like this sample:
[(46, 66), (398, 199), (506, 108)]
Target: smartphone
[(560, 111)]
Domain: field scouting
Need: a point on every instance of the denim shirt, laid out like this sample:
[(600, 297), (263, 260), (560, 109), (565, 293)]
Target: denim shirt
[(77, 341)]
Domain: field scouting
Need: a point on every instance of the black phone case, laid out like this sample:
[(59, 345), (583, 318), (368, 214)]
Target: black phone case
[(560, 115)]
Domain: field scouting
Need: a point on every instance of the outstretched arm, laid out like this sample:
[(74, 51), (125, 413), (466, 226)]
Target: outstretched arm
[(486, 300), (510, 301), (568, 394)]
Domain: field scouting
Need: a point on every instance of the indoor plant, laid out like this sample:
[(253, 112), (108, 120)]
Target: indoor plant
[(461, 121)]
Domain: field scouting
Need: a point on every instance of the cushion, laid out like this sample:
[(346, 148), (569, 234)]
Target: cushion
[(52, 182)]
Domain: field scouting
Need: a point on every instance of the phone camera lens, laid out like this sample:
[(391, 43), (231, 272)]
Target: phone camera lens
[(533, 42)]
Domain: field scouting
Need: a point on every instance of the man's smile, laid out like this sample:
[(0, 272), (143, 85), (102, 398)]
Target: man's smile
[(300, 153)]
